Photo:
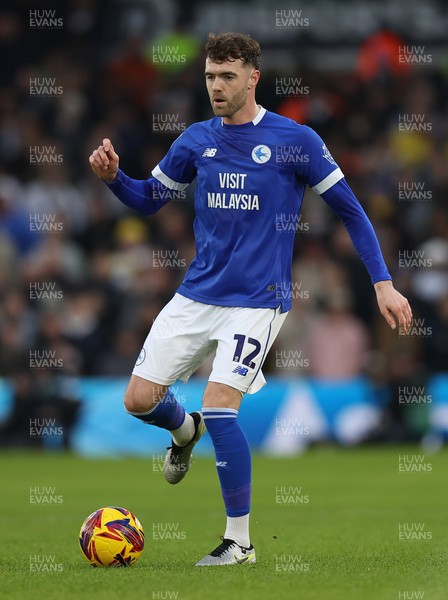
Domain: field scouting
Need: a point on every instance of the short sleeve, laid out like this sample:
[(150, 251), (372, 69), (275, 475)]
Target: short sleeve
[(320, 171), (177, 169)]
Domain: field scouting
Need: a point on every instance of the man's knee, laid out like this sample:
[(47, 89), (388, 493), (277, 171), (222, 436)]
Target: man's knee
[(221, 395), (142, 395)]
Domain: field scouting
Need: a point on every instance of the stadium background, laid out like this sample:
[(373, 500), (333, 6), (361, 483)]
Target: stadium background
[(82, 277)]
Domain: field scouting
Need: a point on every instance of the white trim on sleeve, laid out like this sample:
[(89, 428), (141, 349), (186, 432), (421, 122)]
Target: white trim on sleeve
[(167, 181), (328, 182)]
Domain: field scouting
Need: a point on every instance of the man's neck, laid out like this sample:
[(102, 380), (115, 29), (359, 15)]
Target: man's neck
[(245, 115)]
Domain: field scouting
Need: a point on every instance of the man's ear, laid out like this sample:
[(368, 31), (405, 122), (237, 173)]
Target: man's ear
[(254, 78)]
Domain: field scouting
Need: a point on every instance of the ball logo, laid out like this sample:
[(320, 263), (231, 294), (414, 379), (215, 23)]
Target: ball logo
[(261, 154), (141, 357)]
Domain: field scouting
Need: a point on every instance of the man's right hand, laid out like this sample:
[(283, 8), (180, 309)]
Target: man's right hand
[(104, 162)]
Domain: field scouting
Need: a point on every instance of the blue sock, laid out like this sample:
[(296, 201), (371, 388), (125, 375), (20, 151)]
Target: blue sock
[(167, 414), (233, 459)]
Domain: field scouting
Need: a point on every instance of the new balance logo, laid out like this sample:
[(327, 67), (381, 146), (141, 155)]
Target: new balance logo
[(210, 152), (221, 463), (240, 370)]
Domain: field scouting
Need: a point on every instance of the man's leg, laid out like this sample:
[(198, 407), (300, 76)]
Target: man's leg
[(233, 461), (155, 404), (244, 337), (177, 343)]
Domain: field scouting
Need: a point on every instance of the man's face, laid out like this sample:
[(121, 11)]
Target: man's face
[(228, 85)]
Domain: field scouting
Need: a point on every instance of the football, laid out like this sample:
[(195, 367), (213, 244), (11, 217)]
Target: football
[(111, 537)]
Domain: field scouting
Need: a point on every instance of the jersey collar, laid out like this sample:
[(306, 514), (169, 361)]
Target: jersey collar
[(254, 121), (260, 115)]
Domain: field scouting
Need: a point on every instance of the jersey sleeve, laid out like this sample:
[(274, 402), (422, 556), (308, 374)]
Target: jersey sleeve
[(146, 196), (345, 204), (177, 169), (320, 171)]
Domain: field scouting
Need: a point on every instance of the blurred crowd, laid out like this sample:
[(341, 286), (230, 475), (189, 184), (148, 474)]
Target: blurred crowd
[(82, 277)]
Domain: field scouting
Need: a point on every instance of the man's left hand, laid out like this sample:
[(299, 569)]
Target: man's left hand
[(393, 306)]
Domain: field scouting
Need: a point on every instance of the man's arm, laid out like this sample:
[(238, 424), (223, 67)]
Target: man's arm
[(393, 306), (135, 193)]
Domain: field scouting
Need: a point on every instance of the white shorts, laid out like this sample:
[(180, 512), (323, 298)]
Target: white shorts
[(186, 332)]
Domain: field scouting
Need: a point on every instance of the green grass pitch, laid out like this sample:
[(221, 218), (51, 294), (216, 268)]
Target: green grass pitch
[(325, 527)]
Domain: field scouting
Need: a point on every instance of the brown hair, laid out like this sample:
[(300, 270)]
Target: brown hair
[(222, 46)]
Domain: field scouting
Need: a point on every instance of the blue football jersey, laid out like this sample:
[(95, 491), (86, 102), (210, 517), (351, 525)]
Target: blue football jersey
[(251, 180)]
